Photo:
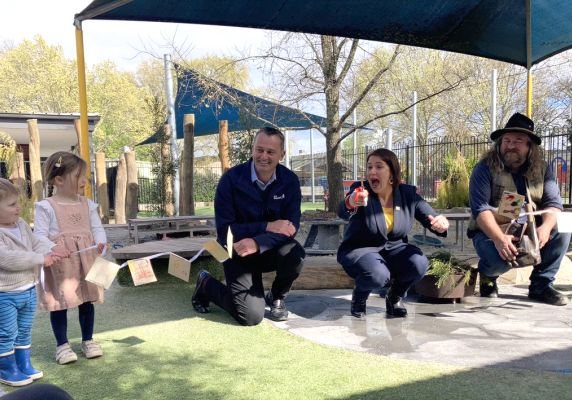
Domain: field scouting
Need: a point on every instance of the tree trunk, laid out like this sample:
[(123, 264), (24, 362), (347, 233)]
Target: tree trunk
[(131, 199), (223, 145), (102, 188), (335, 172), (120, 189), (35, 164)]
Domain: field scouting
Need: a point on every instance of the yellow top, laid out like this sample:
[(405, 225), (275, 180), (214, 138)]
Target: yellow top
[(388, 214)]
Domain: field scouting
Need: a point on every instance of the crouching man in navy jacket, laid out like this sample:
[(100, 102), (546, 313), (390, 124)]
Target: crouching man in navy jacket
[(260, 201)]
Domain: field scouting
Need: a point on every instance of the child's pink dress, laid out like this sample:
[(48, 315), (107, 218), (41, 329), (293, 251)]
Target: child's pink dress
[(64, 285)]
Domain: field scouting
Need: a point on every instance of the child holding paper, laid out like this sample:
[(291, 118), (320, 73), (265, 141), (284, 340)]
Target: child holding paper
[(70, 220), (21, 256)]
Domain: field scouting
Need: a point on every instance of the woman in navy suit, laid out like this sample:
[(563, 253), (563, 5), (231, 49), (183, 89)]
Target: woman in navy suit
[(375, 250)]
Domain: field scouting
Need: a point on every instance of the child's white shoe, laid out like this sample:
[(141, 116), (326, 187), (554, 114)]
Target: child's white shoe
[(91, 349), (65, 354)]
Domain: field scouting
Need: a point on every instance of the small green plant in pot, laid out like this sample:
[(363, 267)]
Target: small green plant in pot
[(447, 277)]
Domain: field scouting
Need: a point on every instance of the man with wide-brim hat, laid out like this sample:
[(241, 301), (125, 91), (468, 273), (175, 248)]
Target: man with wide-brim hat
[(515, 164)]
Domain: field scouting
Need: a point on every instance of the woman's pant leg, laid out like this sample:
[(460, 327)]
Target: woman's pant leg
[(407, 265), (369, 272)]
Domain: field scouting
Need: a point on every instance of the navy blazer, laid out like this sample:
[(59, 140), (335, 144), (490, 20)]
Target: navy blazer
[(366, 231), (240, 204)]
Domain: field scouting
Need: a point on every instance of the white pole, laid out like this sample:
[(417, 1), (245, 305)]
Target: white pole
[(494, 100), (355, 148), (173, 124), (389, 141), (312, 165), (414, 136), (287, 148)]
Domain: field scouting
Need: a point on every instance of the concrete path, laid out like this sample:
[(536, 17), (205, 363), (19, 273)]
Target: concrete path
[(510, 331)]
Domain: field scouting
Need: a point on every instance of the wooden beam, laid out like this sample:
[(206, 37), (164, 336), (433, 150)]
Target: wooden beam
[(120, 189), (187, 200), (131, 203), (35, 162), (102, 188), (223, 145)]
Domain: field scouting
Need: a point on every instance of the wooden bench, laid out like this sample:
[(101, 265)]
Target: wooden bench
[(186, 223), (322, 272), (459, 218)]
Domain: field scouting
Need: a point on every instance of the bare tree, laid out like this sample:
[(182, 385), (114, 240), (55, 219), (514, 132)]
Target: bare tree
[(311, 69)]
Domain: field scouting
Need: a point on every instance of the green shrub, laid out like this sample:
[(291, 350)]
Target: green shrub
[(443, 266), (454, 190)]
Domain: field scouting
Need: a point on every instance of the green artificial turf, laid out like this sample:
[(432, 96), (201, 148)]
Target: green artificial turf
[(157, 347)]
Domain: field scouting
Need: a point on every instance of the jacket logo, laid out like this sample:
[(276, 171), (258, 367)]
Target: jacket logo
[(276, 197)]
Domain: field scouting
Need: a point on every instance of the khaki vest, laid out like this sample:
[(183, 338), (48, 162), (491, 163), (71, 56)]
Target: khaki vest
[(503, 181)]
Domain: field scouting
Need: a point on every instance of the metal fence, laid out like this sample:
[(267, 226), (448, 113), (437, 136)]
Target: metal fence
[(429, 157), (430, 162)]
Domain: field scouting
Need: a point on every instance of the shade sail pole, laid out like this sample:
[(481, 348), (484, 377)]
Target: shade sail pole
[(528, 60), (84, 131)]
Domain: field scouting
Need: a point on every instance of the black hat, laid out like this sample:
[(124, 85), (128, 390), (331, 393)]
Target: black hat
[(517, 123)]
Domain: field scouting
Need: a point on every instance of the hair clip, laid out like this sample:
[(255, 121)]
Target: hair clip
[(59, 162)]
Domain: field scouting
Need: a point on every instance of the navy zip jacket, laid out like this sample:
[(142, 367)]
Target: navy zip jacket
[(366, 231), (240, 204)]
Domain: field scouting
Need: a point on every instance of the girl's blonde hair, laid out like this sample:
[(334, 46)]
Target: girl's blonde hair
[(61, 163), (7, 189)]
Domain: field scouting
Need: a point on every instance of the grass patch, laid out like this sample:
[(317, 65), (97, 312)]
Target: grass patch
[(157, 347), (161, 266)]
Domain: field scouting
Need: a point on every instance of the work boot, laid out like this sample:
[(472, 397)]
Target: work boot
[(22, 356), (488, 287), (278, 310), (10, 374), (199, 300), (394, 306), (549, 296), (358, 305)]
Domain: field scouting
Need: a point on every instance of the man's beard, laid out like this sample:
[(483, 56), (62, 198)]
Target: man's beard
[(512, 159)]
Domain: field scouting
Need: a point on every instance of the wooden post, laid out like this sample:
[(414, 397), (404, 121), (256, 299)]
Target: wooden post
[(77, 126), (101, 180), (167, 178), (35, 163), (131, 203), (120, 189), (223, 146), (18, 173), (187, 201)]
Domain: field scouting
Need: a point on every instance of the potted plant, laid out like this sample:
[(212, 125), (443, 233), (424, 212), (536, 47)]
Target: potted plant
[(447, 278)]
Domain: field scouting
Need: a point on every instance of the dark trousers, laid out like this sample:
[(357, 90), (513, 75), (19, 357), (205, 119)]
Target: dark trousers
[(59, 321), (243, 295), (404, 265)]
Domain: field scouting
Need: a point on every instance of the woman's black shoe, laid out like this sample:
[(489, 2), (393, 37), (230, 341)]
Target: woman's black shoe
[(394, 306), (200, 304), (358, 308)]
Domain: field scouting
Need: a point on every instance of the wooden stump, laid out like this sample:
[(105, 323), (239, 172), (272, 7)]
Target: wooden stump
[(322, 272)]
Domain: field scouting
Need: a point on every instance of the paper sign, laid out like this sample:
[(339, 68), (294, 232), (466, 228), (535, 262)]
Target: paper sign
[(511, 204), (229, 242), (102, 272), (216, 250), (564, 221), (141, 271), (179, 267)]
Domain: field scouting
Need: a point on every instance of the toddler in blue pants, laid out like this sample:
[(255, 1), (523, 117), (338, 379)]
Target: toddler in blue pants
[(21, 256)]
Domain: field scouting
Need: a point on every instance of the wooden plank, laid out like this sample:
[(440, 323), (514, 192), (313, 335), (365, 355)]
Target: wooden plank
[(318, 273), (184, 247)]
